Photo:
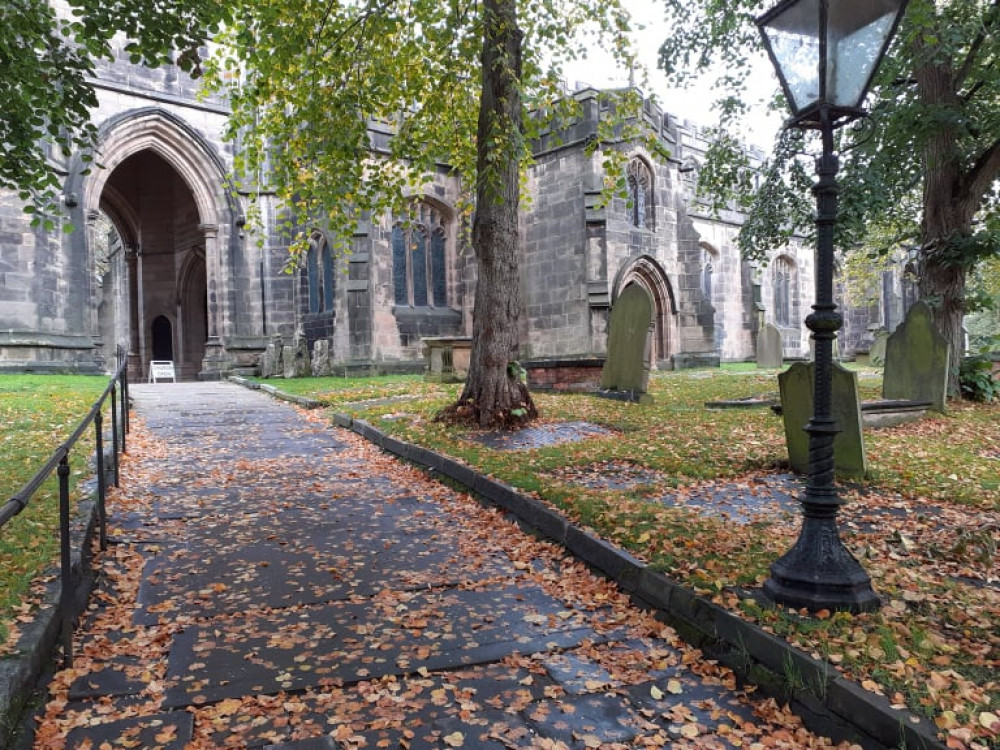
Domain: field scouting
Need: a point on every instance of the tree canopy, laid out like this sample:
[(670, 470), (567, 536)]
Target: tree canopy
[(306, 79), (48, 53), (919, 173)]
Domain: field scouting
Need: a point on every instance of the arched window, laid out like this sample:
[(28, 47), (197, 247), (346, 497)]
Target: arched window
[(784, 285), (319, 277), (329, 277), (419, 259), (640, 198), (312, 275)]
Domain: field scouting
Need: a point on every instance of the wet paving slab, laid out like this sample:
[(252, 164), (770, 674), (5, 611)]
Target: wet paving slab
[(325, 596)]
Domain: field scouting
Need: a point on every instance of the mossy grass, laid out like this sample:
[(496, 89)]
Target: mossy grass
[(933, 620), (37, 414)]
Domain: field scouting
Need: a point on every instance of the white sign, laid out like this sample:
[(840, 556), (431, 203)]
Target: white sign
[(162, 369)]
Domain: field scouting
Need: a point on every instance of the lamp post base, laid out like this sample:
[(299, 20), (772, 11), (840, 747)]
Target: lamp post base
[(819, 573)]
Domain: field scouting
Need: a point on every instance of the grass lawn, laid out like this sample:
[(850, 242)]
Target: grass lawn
[(37, 414), (925, 523)]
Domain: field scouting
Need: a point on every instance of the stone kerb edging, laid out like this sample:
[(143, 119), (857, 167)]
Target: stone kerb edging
[(303, 401), (827, 702)]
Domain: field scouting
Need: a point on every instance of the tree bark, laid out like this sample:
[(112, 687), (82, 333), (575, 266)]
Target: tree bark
[(948, 212), (495, 394)]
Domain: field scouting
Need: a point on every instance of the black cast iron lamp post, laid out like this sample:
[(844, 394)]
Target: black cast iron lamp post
[(825, 53)]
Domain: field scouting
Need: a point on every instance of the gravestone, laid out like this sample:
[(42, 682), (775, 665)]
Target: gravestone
[(270, 360), (321, 363), (626, 370), (917, 360), (769, 354), (796, 386), (295, 358), (876, 354)]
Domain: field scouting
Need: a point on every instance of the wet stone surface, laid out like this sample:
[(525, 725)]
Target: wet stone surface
[(541, 436), (276, 583)]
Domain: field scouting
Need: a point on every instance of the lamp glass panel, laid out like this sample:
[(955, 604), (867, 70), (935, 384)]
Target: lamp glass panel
[(793, 36), (857, 34)]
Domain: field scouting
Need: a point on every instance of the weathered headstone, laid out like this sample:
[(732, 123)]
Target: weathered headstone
[(270, 360), (296, 358), (917, 360), (876, 354), (796, 386), (626, 369), (320, 365), (769, 354)]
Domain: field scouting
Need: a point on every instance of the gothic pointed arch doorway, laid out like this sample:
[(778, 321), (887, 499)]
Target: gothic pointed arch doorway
[(162, 187), (646, 272)]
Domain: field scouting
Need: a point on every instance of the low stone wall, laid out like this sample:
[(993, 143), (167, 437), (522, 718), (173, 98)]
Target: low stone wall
[(581, 375)]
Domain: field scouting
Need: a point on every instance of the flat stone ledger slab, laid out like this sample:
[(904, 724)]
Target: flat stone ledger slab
[(611, 475), (769, 347), (626, 369), (917, 358), (354, 641), (540, 436), (742, 501), (796, 386)]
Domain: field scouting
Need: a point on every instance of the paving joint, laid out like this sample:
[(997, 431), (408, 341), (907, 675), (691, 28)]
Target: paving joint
[(828, 703)]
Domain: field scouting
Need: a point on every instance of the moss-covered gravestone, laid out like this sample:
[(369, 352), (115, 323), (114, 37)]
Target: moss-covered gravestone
[(796, 386), (626, 369), (917, 360), (769, 347)]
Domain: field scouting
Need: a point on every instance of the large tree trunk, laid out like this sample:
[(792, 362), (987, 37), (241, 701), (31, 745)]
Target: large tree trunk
[(948, 210), (494, 394)]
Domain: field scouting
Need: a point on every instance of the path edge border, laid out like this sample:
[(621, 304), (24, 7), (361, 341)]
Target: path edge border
[(826, 702)]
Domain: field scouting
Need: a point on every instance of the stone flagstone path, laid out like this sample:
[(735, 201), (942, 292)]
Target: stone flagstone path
[(275, 582)]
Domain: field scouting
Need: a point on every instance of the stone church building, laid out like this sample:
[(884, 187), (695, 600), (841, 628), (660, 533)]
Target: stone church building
[(162, 264)]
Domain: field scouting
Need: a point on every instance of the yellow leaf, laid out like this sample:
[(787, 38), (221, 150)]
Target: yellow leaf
[(989, 720), (656, 693), (455, 739), (674, 687), (690, 731)]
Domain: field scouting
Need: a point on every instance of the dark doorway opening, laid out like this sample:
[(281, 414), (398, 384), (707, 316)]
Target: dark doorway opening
[(163, 339)]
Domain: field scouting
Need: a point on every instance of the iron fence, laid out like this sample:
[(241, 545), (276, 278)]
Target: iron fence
[(117, 393)]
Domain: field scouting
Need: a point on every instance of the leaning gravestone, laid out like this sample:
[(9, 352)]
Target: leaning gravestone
[(796, 386), (626, 371), (916, 360), (769, 354), (270, 361), (876, 354)]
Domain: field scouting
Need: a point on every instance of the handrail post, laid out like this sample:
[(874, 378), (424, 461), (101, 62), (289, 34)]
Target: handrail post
[(102, 519), (125, 417), (66, 594), (114, 429)]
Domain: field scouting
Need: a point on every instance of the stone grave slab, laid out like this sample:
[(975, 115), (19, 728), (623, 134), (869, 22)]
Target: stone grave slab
[(769, 347), (917, 359), (540, 436), (612, 475), (167, 731), (351, 641), (626, 369), (796, 386), (744, 501)]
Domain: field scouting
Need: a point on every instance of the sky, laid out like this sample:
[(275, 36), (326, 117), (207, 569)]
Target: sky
[(693, 103)]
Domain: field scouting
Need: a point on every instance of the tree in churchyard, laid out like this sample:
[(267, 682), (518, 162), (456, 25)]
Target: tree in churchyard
[(47, 59), (920, 173), (453, 83)]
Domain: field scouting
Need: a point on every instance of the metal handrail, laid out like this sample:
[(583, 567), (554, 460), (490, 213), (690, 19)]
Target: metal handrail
[(59, 462)]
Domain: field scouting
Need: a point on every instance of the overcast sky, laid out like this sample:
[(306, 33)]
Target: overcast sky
[(693, 104)]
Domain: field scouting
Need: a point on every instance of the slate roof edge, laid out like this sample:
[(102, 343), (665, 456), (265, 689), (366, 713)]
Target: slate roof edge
[(827, 702)]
